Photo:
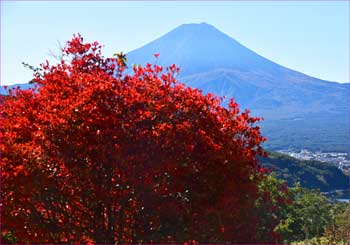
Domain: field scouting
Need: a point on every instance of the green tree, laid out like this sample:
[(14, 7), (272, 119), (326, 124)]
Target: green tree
[(306, 217)]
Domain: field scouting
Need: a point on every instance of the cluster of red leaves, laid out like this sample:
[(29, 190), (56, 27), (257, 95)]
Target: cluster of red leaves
[(93, 155)]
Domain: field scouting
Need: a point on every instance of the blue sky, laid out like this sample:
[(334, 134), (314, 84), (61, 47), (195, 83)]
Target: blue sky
[(308, 36)]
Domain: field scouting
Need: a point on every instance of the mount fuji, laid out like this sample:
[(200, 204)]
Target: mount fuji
[(299, 111)]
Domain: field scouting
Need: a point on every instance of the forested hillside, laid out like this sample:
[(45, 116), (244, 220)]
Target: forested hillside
[(310, 174)]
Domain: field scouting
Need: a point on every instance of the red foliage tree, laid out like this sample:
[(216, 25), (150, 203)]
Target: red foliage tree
[(95, 155)]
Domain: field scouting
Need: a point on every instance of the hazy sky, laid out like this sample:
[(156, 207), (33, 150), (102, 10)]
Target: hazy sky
[(311, 37)]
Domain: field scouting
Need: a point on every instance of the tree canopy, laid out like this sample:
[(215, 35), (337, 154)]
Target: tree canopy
[(97, 155)]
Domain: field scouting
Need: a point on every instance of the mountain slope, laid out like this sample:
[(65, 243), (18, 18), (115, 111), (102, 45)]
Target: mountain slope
[(214, 62), (262, 92), (200, 48)]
